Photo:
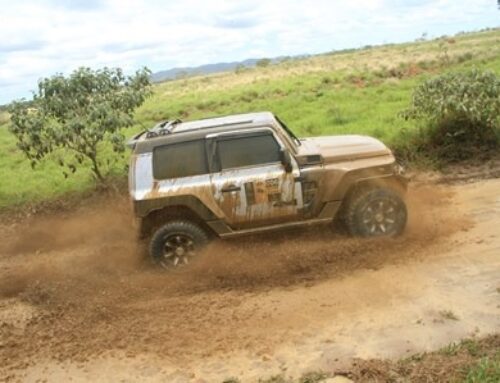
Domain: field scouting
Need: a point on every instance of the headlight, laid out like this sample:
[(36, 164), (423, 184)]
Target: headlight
[(398, 169)]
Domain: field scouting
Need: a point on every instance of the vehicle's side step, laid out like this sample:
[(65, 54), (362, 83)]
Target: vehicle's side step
[(326, 215), (280, 226)]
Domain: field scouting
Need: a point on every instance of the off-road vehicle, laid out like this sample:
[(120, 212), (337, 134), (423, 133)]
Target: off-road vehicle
[(244, 174)]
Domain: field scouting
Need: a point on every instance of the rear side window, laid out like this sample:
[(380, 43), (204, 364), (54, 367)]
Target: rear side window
[(182, 159), (248, 151)]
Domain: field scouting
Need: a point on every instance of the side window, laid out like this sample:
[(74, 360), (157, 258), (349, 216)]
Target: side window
[(247, 151), (183, 159)]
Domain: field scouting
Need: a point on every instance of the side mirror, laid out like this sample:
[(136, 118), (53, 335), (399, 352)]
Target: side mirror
[(286, 160)]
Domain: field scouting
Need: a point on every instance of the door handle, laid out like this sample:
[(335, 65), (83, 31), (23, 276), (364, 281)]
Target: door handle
[(230, 188)]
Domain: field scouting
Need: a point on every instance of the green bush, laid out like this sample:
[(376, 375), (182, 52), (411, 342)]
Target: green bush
[(459, 113)]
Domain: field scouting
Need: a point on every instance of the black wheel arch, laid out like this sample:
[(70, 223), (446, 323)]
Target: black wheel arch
[(394, 183), (157, 217)]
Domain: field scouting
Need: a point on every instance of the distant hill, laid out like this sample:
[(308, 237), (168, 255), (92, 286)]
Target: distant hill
[(175, 73), (171, 74)]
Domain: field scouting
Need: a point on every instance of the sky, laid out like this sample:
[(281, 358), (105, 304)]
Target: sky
[(43, 37)]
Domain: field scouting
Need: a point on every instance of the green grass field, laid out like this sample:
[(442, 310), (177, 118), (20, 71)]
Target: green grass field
[(356, 91)]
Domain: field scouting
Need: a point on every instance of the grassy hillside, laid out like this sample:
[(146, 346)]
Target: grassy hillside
[(354, 91)]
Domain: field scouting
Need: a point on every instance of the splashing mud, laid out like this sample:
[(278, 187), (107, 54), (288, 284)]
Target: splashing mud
[(90, 284)]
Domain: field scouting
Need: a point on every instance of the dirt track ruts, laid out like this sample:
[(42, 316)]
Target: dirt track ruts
[(76, 297)]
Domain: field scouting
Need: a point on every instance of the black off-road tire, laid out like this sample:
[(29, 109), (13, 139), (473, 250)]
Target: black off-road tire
[(376, 212), (166, 243)]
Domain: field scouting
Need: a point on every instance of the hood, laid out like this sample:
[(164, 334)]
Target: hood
[(341, 148)]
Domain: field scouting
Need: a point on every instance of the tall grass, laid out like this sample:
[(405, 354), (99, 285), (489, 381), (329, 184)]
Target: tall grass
[(485, 371), (358, 91)]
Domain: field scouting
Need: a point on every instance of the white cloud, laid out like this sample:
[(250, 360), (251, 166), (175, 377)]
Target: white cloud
[(40, 38)]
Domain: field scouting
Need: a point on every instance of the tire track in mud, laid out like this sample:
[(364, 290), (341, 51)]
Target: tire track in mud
[(86, 291)]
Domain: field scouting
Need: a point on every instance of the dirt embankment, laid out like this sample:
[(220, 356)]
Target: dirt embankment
[(450, 364), (75, 287)]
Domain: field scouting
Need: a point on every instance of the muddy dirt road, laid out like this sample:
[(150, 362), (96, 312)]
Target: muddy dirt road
[(77, 300)]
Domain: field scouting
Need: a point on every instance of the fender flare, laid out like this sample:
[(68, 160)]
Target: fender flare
[(355, 178), (145, 207)]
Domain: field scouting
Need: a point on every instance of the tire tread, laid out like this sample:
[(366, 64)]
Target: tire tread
[(359, 198), (200, 236)]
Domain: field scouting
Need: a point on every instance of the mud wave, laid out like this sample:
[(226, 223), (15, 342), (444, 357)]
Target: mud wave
[(89, 283)]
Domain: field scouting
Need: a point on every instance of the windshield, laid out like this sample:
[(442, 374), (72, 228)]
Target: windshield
[(289, 132)]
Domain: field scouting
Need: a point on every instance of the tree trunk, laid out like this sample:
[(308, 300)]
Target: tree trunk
[(95, 168)]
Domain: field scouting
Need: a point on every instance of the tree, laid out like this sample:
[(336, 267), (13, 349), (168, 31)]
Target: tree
[(76, 117), (263, 63), (240, 68)]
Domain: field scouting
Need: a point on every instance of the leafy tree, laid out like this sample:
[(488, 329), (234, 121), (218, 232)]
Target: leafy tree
[(78, 116), (461, 113)]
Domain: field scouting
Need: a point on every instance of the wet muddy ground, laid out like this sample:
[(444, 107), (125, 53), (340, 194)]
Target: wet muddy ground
[(77, 298)]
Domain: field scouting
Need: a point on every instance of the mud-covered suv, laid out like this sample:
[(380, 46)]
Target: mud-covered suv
[(244, 174)]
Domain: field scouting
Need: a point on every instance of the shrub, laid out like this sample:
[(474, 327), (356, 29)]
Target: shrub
[(206, 105), (326, 80), (263, 63), (240, 68), (336, 116), (248, 96), (460, 113), (467, 56)]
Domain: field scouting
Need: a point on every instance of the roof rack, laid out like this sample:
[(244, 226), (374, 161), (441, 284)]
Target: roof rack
[(163, 128), (233, 123)]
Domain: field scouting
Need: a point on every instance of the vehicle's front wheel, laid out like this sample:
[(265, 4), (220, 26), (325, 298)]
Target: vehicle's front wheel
[(176, 243), (376, 212)]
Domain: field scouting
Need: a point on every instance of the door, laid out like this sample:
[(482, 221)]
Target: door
[(251, 185)]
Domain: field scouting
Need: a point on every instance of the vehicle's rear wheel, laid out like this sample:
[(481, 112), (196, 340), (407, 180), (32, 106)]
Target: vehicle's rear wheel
[(376, 212), (176, 243)]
